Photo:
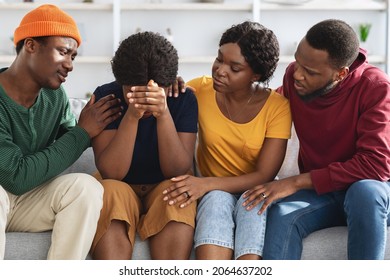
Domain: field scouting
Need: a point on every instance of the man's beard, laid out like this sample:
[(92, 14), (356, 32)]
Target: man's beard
[(319, 92)]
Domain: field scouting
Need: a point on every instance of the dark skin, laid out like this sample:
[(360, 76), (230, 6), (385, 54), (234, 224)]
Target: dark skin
[(175, 154), (233, 83), (46, 65), (313, 72)]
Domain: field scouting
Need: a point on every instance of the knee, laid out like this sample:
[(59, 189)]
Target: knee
[(216, 202), (114, 188), (90, 185), (364, 193), (217, 197), (88, 189), (241, 210)]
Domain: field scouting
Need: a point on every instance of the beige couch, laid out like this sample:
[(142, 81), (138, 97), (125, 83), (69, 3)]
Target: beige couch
[(325, 244)]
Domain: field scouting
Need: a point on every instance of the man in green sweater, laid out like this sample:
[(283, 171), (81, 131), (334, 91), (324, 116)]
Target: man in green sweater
[(39, 138)]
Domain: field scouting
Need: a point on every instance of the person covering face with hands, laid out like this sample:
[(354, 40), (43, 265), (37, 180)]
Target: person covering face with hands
[(153, 141)]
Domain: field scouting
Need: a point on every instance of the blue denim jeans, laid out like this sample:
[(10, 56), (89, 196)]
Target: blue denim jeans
[(222, 220), (364, 208)]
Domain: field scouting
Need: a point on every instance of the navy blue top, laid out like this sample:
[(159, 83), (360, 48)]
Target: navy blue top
[(145, 165)]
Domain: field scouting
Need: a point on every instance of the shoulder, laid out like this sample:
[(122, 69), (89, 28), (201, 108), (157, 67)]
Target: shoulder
[(188, 95), (277, 105), (184, 100), (109, 88), (278, 99), (372, 86), (200, 82), (375, 76)]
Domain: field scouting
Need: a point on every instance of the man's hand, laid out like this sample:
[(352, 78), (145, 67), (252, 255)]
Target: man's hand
[(95, 116), (275, 190)]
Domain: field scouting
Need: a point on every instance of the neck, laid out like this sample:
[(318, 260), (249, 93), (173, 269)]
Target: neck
[(23, 93), (242, 95), (234, 110)]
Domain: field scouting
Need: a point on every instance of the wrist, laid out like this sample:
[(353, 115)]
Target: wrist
[(303, 181), (165, 115)]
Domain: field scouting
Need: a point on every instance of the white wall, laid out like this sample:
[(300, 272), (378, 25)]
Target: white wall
[(195, 33)]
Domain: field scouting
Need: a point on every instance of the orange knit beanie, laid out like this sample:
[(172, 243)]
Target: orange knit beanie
[(47, 20)]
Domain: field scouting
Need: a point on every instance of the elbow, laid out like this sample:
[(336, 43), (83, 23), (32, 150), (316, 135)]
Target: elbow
[(177, 169), (10, 184), (109, 174), (15, 190)]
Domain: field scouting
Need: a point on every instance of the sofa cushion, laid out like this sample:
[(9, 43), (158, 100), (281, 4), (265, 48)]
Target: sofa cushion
[(27, 246), (325, 244), (35, 246), (331, 244)]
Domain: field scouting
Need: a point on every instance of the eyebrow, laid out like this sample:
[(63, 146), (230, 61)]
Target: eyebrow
[(310, 69), (305, 67), (69, 50), (233, 62)]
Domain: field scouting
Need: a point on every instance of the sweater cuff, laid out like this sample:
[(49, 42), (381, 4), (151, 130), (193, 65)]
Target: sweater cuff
[(84, 136), (321, 180)]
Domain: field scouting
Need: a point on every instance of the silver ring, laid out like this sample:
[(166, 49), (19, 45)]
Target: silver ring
[(263, 195), (187, 194)]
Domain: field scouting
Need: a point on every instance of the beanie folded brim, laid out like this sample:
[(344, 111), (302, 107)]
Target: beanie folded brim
[(43, 28), (47, 20)]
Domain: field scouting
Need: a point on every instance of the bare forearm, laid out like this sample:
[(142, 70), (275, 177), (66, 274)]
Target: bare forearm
[(115, 160), (303, 181), (176, 155)]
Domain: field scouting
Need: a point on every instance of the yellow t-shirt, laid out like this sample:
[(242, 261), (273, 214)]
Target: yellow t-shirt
[(226, 148)]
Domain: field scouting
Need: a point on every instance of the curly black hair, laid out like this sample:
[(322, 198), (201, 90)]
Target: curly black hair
[(258, 45), (144, 56), (337, 38)]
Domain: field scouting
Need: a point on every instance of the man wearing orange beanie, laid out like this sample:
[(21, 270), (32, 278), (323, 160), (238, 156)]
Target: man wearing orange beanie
[(40, 138)]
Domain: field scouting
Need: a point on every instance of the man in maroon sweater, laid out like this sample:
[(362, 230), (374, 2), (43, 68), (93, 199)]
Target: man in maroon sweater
[(340, 107)]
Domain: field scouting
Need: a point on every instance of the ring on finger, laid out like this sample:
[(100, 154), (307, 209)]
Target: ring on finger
[(263, 195), (186, 194)]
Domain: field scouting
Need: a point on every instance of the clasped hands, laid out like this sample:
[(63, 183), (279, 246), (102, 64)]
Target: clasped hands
[(147, 100)]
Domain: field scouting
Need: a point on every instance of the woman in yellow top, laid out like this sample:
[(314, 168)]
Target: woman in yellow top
[(243, 131)]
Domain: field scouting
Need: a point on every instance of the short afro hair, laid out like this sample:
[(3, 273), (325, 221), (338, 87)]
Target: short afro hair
[(258, 45), (337, 38), (145, 56)]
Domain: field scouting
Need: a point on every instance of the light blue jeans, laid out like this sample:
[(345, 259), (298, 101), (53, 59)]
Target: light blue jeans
[(364, 208), (222, 220)]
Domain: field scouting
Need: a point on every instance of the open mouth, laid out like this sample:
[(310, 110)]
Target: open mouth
[(298, 86)]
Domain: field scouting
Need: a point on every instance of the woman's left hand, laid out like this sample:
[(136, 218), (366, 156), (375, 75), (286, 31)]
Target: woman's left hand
[(184, 189)]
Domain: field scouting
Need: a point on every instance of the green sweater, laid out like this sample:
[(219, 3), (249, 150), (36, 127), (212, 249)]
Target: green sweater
[(37, 143)]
